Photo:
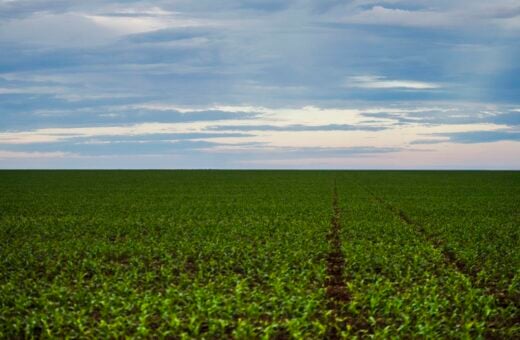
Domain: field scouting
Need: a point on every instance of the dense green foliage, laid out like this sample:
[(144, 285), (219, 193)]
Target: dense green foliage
[(401, 279), (243, 254)]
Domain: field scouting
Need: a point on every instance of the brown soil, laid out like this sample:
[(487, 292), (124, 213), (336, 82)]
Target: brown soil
[(335, 288)]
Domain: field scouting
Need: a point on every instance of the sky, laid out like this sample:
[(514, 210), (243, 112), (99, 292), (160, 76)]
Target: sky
[(292, 84)]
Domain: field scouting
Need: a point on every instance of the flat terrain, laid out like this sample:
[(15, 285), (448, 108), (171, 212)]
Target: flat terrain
[(248, 254)]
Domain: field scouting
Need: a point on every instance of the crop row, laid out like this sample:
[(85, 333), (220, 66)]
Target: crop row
[(474, 217), (402, 281), (215, 257), (250, 254)]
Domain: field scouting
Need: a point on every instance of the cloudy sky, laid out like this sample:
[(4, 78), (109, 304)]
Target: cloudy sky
[(260, 84)]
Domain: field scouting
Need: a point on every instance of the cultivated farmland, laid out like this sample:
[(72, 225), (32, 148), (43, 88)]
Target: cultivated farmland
[(252, 254)]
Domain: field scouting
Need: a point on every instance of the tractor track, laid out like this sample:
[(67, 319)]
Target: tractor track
[(335, 287), (502, 298)]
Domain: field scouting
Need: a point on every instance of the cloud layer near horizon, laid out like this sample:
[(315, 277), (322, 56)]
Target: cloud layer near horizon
[(260, 84)]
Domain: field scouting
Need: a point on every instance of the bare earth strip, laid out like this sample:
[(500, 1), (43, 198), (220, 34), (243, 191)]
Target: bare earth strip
[(336, 290)]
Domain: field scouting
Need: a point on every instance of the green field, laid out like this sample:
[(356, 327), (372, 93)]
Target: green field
[(259, 254)]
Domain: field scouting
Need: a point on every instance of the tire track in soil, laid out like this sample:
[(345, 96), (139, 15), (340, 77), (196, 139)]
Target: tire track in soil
[(335, 287), (450, 259)]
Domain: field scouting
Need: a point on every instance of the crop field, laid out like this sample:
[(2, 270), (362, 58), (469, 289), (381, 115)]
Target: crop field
[(259, 254)]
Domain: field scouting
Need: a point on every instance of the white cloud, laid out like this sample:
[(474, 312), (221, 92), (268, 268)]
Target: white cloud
[(160, 106), (68, 29), (31, 90), (68, 94), (379, 15), (394, 135), (512, 24), (142, 20), (31, 155), (503, 14), (77, 29), (267, 141), (129, 25), (39, 78), (143, 11), (379, 82)]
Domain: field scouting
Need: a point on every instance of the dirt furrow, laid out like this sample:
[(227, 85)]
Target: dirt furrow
[(450, 258), (336, 290)]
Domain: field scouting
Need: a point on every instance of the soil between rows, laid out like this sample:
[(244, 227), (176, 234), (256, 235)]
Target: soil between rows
[(336, 290)]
